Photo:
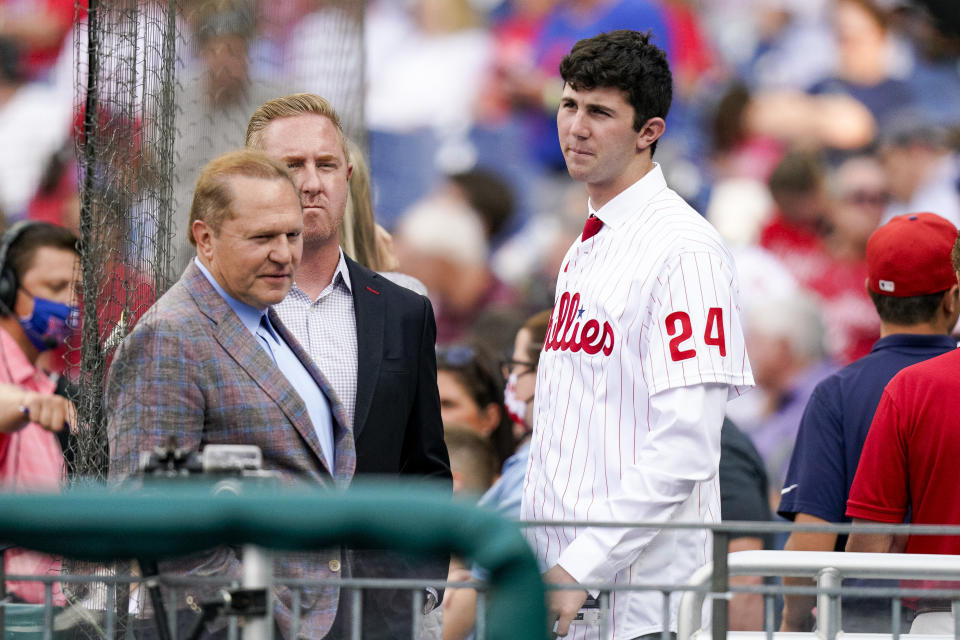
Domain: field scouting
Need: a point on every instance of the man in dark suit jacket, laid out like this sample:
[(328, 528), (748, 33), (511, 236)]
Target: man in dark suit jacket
[(374, 340), (210, 363)]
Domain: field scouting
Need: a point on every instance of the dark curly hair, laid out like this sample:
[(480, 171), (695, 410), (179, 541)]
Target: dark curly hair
[(624, 60)]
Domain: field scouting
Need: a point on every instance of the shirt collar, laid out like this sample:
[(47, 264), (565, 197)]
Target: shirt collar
[(343, 272), (915, 340), (249, 315), (623, 206)]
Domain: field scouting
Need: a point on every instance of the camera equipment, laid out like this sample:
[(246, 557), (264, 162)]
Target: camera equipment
[(231, 465)]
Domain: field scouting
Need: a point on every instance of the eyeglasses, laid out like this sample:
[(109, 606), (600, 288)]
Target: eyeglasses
[(507, 367)]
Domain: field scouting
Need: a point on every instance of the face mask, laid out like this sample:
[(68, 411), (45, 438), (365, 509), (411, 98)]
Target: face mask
[(516, 408), (50, 324)]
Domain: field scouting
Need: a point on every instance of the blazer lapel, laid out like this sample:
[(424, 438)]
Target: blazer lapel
[(370, 311), (244, 349)]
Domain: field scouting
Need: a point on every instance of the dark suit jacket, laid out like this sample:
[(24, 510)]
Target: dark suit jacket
[(397, 428), (191, 369)]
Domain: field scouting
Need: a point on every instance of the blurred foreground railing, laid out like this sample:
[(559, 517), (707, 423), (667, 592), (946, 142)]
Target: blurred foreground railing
[(175, 519), (828, 570)]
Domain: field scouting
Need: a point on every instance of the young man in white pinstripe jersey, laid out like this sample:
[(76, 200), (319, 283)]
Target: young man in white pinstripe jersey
[(644, 348)]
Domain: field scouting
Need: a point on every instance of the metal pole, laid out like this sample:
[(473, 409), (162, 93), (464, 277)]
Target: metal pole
[(258, 574), (720, 583), (828, 605)]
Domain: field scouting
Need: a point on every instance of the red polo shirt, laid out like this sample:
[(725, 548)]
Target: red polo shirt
[(911, 454)]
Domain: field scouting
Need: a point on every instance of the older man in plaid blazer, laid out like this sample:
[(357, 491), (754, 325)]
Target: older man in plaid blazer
[(211, 363)]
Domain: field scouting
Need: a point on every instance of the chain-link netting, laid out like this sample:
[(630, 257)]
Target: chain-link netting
[(162, 87), (125, 76)]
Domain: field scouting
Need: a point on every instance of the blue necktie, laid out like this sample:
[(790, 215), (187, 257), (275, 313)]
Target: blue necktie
[(318, 407)]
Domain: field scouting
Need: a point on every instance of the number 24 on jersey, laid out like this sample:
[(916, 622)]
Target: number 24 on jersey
[(679, 326)]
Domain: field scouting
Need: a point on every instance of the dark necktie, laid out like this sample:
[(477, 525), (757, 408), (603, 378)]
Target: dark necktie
[(591, 227)]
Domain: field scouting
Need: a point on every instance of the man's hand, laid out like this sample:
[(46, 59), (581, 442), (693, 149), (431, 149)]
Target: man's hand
[(52, 412), (562, 604)]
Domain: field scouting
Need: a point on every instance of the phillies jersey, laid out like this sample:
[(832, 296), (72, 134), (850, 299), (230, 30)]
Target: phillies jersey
[(647, 306)]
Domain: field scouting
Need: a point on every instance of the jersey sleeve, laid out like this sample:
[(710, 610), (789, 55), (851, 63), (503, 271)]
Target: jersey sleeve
[(816, 481), (682, 450), (694, 334), (880, 491)]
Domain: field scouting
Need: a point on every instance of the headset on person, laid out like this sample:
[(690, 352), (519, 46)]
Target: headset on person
[(9, 280)]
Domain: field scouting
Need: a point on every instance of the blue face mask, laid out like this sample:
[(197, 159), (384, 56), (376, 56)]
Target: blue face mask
[(50, 324)]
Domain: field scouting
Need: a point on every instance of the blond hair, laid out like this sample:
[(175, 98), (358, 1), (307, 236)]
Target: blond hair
[(358, 233), (296, 104), (213, 194)]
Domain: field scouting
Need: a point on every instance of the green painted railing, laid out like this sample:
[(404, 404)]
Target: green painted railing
[(178, 518)]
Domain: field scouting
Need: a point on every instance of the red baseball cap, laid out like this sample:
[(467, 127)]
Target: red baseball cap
[(910, 256)]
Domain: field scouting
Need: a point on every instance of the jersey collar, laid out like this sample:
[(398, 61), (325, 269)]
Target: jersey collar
[(623, 207)]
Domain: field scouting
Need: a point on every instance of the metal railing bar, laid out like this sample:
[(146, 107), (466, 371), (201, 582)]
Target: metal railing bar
[(356, 614), (417, 613), (604, 613), (481, 624), (295, 615), (895, 605), (736, 526), (48, 611), (110, 624), (172, 596), (665, 629), (769, 615), (396, 583)]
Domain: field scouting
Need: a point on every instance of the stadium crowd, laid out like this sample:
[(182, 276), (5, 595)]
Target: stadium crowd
[(819, 138)]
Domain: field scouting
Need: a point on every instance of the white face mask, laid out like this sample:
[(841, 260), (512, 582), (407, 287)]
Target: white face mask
[(516, 408)]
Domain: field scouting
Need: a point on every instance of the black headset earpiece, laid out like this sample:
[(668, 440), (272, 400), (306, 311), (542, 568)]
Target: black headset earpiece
[(8, 277)]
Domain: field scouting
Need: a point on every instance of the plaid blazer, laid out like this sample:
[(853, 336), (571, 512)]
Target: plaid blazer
[(192, 370)]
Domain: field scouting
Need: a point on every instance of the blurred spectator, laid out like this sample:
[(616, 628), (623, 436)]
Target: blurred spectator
[(35, 124), (57, 198), (537, 90), (38, 269), (922, 170), (934, 79), (473, 461), (489, 195), (859, 194), (514, 37), (866, 61), (330, 65), (424, 66), (441, 241), (798, 188), (914, 289), (738, 151), (785, 340), (778, 44), (520, 371), (36, 30), (215, 102), (743, 497), (471, 395), (361, 238)]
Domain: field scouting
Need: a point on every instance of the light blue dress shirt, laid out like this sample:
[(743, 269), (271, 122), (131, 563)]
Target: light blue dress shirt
[(296, 373)]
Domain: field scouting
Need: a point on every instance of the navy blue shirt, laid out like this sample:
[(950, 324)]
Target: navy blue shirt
[(835, 424)]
